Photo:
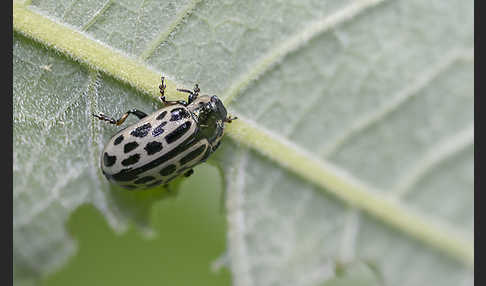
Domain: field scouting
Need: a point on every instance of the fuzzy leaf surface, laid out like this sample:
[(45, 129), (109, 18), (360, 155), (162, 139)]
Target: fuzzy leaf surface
[(353, 149)]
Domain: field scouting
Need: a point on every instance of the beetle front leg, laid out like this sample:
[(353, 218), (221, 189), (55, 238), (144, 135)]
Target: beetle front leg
[(229, 119), (193, 94), (162, 88)]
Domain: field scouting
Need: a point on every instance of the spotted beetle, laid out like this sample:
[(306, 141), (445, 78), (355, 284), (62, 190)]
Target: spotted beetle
[(163, 145)]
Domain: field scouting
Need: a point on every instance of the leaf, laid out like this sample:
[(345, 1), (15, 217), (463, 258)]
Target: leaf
[(354, 143)]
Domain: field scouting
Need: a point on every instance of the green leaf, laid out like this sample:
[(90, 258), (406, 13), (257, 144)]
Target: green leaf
[(354, 143)]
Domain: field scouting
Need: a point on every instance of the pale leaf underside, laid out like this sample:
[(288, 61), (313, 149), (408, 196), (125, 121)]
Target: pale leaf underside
[(354, 140)]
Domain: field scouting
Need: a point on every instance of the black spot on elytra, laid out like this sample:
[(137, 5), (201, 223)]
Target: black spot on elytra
[(154, 183), (144, 180), (178, 113), (153, 147), (141, 131), (131, 160), (129, 174), (124, 175), (118, 140), (168, 170), (109, 160), (178, 132), (130, 146), (161, 115), (191, 156), (159, 129)]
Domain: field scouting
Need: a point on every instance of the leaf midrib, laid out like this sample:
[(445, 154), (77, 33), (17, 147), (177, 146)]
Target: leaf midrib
[(98, 56)]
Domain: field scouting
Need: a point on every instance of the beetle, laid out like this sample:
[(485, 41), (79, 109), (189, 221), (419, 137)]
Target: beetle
[(165, 144)]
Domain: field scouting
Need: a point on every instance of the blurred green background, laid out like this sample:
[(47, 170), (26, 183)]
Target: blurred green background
[(190, 236)]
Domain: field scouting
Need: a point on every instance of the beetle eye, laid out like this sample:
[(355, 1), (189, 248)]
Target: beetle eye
[(218, 106)]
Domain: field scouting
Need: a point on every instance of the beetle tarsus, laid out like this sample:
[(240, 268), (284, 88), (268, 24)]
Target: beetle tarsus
[(229, 119), (103, 117), (193, 94)]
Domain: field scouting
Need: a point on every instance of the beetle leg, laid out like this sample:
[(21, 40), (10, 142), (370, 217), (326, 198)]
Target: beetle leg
[(216, 146), (166, 186), (189, 173), (162, 88), (185, 90), (111, 120), (193, 94), (229, 119)]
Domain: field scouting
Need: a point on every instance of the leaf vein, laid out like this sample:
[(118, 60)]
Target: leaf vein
[(352, 191), (96, 55), (401, 97), (43, 205), (436, 155), (270, 59), (49, 124), (164, 35), (350, 232), (97, 15), (236, 222)]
